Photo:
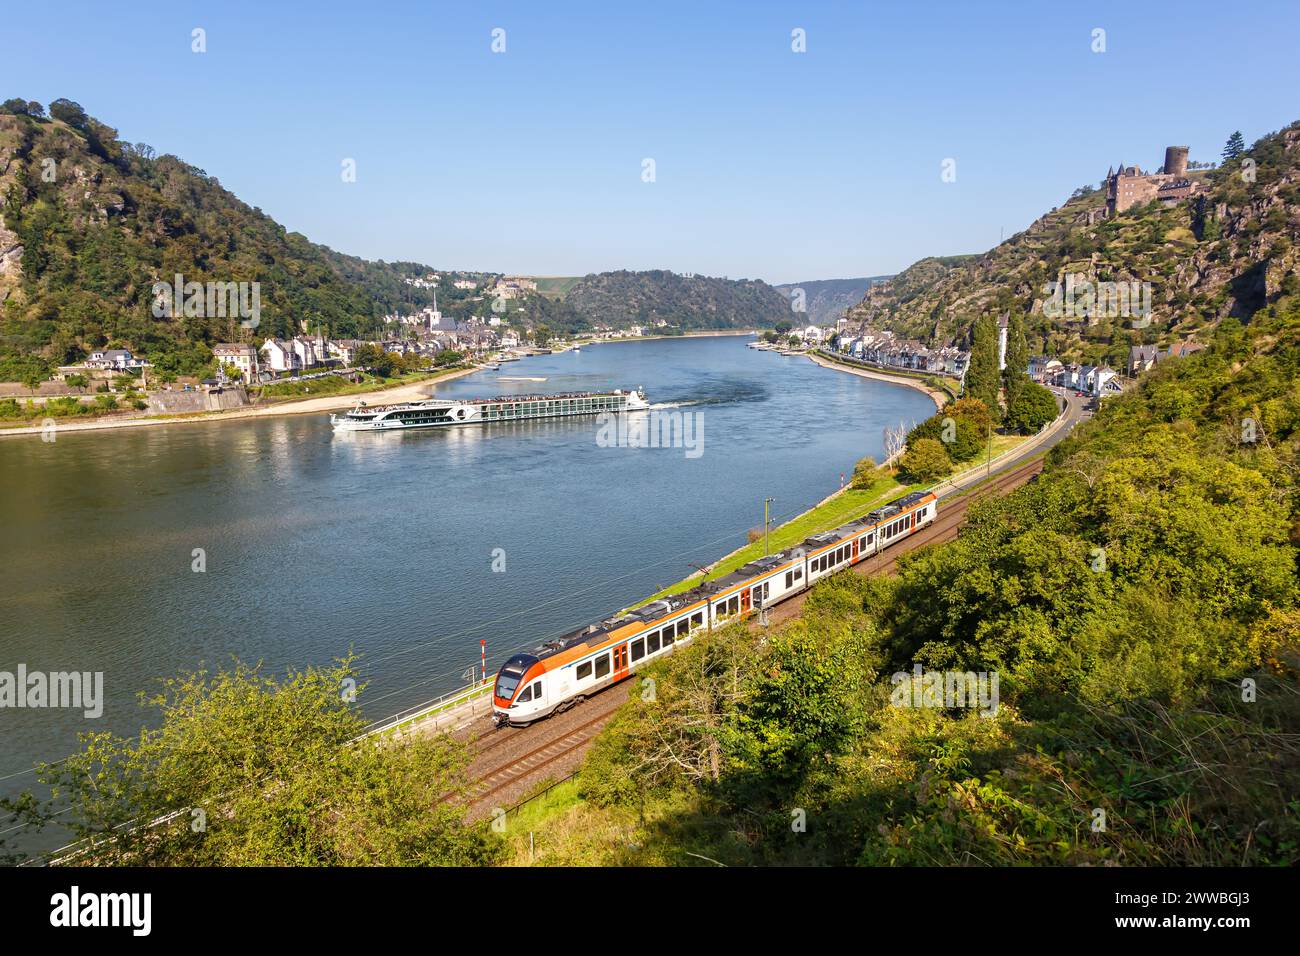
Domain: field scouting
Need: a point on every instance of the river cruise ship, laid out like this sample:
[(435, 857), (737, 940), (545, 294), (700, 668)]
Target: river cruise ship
[(431, 412)]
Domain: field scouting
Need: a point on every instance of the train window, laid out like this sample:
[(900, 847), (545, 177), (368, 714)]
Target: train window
[(653, 642), (682, 627), (733, 605), (789, 578), (668, 636), (524, 696), (602, 665), (798, 574), (638, 649), (584, 670), (697, 619)]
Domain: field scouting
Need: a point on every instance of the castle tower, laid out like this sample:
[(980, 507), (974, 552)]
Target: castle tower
[(1175, 161)]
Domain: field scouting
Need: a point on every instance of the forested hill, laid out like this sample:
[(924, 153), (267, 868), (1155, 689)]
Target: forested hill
[(89, 223), (825, 300), (1230, 254), (683, 301)]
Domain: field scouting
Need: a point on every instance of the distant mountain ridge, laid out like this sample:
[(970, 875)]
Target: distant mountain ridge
[(826, 299), (685, 301)]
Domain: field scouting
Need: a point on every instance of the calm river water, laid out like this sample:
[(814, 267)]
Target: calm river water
[(385, 542)]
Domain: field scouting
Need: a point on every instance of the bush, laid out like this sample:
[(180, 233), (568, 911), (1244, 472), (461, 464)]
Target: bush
[(865, 473), (925, 460)]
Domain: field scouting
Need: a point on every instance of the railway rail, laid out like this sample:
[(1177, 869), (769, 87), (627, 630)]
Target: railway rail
[(507, 763)]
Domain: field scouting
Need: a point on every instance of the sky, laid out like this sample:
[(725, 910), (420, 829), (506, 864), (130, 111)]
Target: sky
[(767, 163)]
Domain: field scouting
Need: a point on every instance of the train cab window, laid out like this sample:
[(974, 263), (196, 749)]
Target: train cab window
[(537, 690), (697, 619), (638, 649), (525, 695), (653, 642), (584, 671), (602, 665)]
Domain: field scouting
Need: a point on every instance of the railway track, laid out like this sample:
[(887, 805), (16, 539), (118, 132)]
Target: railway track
[(506, 763)]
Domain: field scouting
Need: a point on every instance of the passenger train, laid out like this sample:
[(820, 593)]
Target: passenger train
[(565, 671)]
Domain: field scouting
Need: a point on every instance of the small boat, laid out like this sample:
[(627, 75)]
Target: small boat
[(493, 366)]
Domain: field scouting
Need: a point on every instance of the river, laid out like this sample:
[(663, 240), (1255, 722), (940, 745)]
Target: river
[(387, 543)]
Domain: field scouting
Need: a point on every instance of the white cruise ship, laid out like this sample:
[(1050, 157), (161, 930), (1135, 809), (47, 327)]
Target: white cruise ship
[(431, 412)]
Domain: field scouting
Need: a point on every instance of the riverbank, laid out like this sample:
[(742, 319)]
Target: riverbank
[(397, 392), (704, 334), (938, 396)]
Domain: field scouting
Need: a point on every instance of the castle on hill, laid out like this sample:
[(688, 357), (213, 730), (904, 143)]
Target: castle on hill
[(1130, 186)]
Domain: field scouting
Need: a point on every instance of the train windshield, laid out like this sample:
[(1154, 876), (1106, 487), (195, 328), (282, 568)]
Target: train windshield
[(506, 684), (512, 672)]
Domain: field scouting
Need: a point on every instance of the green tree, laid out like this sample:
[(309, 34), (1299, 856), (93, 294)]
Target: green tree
[(925, 460), (1033, 407), (1235, 146), (865, 473), (272, 769), (69, 112), (76, 381), (983, 375)]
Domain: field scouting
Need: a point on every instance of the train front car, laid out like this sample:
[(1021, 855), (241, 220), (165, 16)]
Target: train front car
[(516, 696)]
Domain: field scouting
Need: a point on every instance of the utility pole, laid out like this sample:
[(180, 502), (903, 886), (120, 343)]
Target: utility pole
[(989, 469), (767, 523)]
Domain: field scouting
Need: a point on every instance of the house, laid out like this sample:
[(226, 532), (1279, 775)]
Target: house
[(1183, 349), (280, 356), (114, 359), (1141, 358), (345, 350), (242, 356), (1104, 381), (465, 284), (310, 351), (812, 335)]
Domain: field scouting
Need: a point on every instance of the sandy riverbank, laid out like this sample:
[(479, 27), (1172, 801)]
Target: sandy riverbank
[(939, 397), (303, 406)]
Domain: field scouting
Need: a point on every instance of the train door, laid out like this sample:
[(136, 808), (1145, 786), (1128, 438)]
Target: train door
[(855, 549), (620, 661), (744, 601)]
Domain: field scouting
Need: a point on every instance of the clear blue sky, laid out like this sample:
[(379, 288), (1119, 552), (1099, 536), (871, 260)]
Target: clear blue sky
[(769, 164)]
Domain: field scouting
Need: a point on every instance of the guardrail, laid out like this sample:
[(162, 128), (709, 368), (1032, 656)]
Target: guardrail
[(445, 703)]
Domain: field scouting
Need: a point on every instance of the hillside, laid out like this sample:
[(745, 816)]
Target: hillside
[(1228, 253), (88, 224), (827, 299), (1137, 604), (683, 301)]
